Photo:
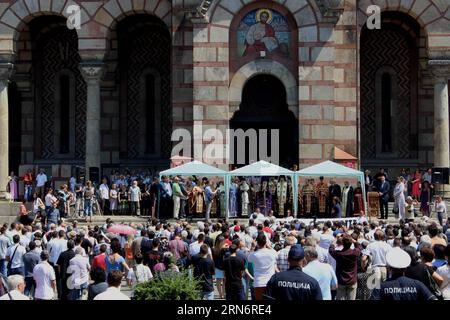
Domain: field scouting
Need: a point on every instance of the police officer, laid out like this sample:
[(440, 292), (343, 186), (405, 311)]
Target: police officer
[(399, 287), (293, 284)]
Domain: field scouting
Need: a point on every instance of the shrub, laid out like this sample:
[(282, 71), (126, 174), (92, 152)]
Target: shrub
[(169, 286)]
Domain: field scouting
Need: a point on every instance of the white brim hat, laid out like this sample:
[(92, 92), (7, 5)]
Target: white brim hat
[(398, 259)]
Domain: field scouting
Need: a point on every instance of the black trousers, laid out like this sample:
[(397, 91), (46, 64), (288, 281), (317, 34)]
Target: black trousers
[(384, 209)]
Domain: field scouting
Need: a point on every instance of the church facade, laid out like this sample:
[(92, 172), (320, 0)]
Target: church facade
[(110, 93)]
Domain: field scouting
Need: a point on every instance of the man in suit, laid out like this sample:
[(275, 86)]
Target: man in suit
[(383, 190)]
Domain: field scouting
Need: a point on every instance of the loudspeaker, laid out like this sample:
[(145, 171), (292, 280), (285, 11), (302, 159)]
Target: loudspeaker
[(440, 175), (94, 175), (80, 174)]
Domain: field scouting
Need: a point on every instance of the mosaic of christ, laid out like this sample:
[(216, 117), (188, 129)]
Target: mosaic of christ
[(263, 30)]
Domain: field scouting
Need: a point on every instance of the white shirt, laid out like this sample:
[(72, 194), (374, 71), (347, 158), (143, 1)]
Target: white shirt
[(326, 239), (16, 261), (143, 274), (112, 293), (378, 251), (55, 247), (16, 295), (444, 272), (4, 243), (135, 192), (41, 179), (194, 248), (168, 188), (49, 199), (324, 274), (104, 191), (44, 274), (264, 261), (80, 270)]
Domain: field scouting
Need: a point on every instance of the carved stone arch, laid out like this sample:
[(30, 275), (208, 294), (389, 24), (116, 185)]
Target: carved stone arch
[(114, 11), (257, 67), (425, 12), (16, 16)]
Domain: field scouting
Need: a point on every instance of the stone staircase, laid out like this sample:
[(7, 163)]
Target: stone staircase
[(9, 211)]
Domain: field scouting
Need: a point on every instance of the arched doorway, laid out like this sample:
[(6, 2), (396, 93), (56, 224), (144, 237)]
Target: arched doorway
[(144, 55), (264, 106), (389, 92)]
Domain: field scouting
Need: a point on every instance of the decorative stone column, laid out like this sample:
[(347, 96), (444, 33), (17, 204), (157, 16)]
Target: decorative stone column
[(5, 74), (441, 72), (92, 73)]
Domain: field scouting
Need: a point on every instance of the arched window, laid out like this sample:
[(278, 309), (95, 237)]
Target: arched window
[(150, 100), (387, 116), (64, 112), (386, 113)]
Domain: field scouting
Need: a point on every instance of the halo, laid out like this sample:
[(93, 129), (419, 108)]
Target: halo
[(261, 11)]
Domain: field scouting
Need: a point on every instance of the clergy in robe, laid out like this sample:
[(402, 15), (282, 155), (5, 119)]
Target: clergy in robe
[(282, 195), (347, 200), (263, 197), (234, 194), (197, 200), (245, 200), (290, 196), (222, 197), (254, 188), (308, 197), (300, 211), (321, 194), (333, 191), (358, 207), (272, 194)]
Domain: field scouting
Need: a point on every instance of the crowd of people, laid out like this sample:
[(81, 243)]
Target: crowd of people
[(412, 194), (261, 258), (132, 193)]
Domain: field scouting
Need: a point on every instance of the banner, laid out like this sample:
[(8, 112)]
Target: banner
[(347, 221)]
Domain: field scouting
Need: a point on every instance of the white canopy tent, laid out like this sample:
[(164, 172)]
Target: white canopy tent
[(335, 170), (194, 168), (265, 169), (197, 168)]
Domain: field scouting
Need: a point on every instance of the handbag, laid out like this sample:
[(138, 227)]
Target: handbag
[(395, 210)]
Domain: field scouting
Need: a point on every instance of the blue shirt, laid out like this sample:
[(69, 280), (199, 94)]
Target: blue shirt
[(53, 216), (208, 194), (324, 274)]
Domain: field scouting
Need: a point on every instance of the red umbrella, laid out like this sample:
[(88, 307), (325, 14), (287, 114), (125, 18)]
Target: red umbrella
[(122, 229)]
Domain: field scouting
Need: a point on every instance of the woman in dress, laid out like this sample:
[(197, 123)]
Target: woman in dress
[(113, 199), (114, 261), (417, 178), (218, 253), (399, 196), (38, 208), (425, 199), (12, 183), (123, 200)]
